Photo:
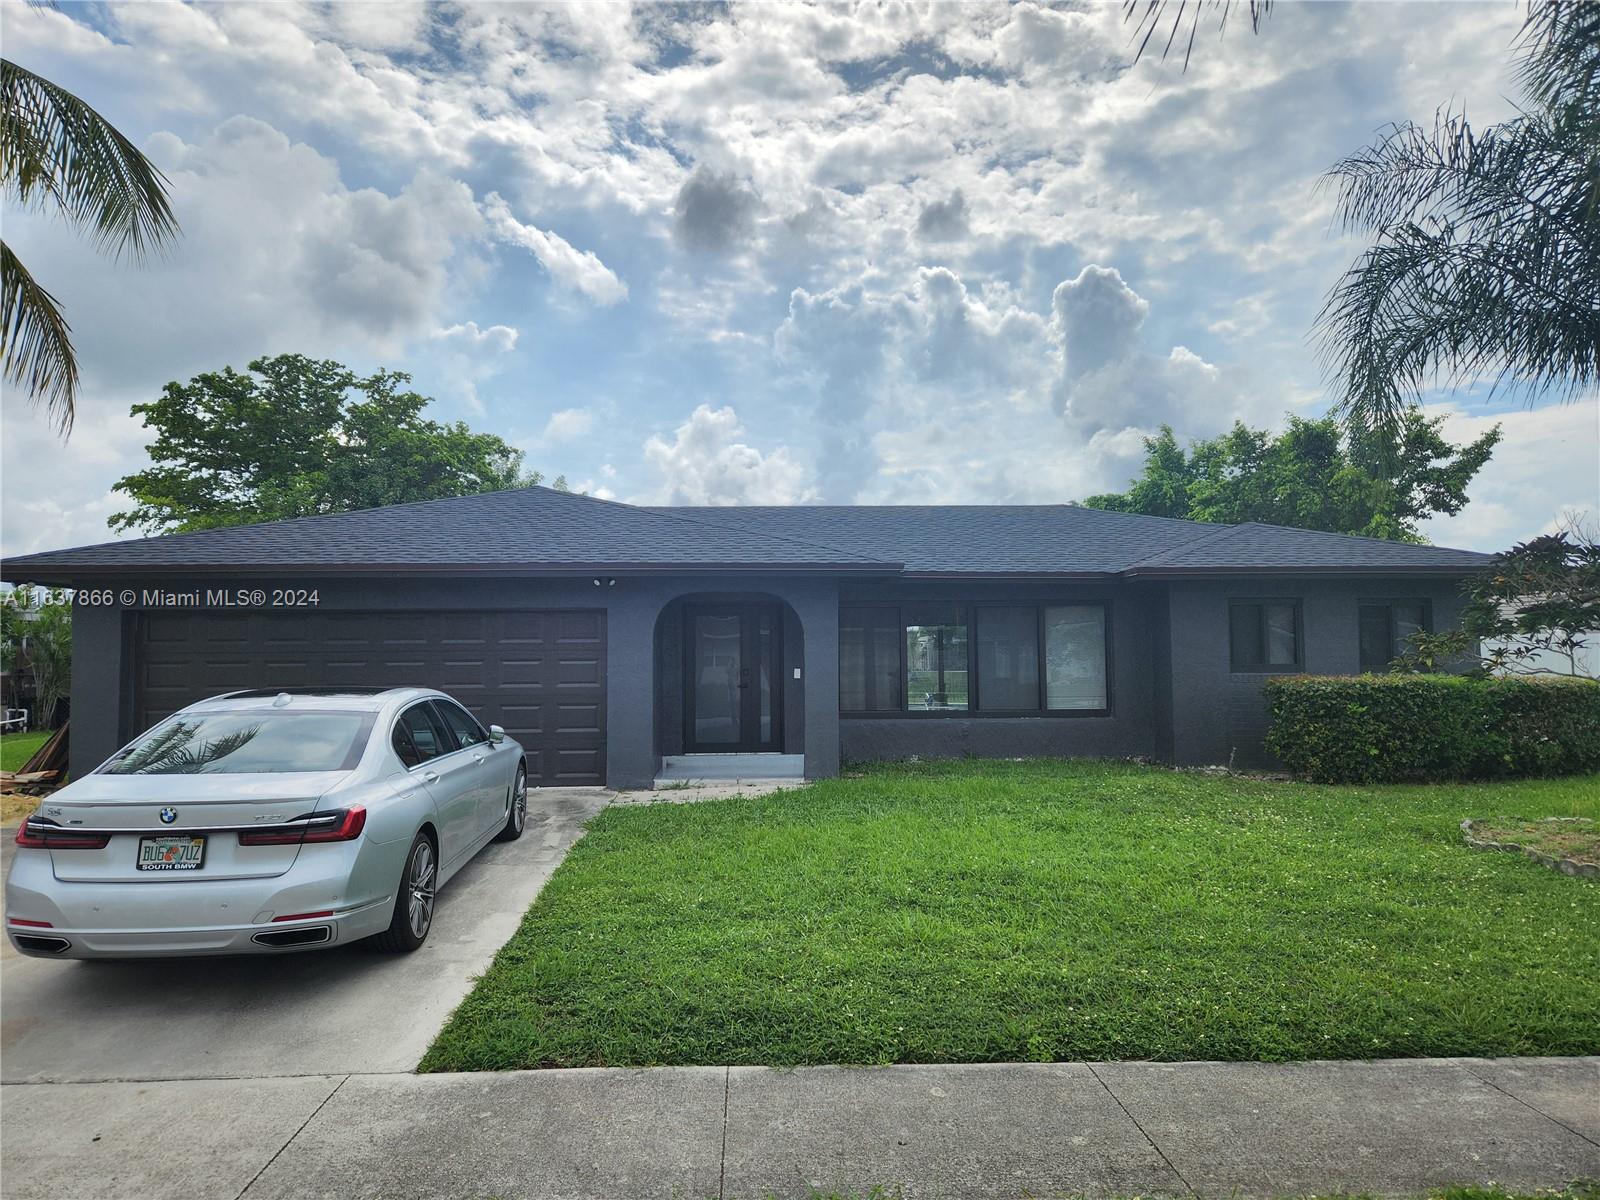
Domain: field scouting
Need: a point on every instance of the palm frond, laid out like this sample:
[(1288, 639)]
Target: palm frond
[(55, 147), (1485, 263), (1426, 306), (1492, 180), (1149, 16), (36, 341), (1560, 69)]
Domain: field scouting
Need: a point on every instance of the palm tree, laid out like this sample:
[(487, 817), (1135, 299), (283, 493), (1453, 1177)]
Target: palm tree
[(1485, 262), (56, 151)]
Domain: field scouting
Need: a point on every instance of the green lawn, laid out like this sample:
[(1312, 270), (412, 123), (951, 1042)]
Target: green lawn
[(975, 912), (17, 748)]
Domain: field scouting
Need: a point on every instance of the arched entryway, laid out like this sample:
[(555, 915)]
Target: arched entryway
[(727, 677)]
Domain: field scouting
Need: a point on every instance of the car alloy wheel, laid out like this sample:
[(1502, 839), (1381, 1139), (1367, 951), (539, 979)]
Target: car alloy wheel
[(519, 801), (419, 886)]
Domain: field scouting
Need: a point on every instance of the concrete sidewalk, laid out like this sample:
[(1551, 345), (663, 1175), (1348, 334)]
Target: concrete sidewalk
[(685, 1133)]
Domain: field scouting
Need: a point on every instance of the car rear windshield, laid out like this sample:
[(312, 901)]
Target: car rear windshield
[(247, 742)]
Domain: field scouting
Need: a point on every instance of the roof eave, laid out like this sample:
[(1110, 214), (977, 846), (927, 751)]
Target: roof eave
[(69, 574), (1365, 571)]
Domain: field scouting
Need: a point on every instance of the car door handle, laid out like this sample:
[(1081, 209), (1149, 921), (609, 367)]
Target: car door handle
[(430, 777), (477, 758)]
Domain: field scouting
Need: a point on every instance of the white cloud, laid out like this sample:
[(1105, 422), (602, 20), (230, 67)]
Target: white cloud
[(579, 270), (55, 496), (469, 356), (1547, 464), (468, 338), (932, 393), (566, 425), (275, 253), (705, 463)]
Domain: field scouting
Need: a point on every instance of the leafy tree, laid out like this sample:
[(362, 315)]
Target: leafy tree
[(1485, 260), (295, 437), (57, 152), (36, 637), (1537, 599), (1311, 476)]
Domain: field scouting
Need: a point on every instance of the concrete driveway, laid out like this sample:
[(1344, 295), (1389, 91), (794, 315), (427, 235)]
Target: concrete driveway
[(346, 1010)]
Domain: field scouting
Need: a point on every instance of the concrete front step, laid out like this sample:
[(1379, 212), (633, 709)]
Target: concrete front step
[(680, 770)]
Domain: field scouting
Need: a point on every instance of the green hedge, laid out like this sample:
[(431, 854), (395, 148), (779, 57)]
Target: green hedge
[(1384, 728)]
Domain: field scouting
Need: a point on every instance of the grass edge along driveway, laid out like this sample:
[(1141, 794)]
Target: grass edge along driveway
[(1046, 910)]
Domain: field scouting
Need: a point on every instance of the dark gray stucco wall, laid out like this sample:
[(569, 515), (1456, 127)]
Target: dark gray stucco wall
[(1129, 730), (1219, 714), (103, 668), (101, 685)]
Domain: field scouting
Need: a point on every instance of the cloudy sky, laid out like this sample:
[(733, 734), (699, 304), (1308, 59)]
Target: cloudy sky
[(694, 254)]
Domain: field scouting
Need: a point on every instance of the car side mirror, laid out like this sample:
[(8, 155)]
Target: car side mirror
[(496, 734)]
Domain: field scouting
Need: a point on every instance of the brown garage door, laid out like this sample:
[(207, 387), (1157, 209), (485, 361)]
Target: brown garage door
[(541, 674)]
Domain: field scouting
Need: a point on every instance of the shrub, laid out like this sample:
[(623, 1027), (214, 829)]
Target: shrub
[(1386, 728)]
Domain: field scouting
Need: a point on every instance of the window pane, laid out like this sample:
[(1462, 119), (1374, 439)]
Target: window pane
[(427, 735), (717, 650), (1244, 634), (884, 676), (464, 727), (1075, 656), (1008, 658), (1282, 645), (852, 660), (1410, 618), (1374, 633), (936, 659), (869, 660), (764, 656)]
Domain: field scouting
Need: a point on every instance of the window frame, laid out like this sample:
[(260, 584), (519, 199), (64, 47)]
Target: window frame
[(970, 614), (1267, 667), (1389, 603)]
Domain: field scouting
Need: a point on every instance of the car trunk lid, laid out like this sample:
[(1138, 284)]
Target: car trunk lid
[(136, 809)]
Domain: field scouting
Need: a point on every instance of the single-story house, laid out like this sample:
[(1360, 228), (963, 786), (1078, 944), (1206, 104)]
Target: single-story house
[(610, 638)]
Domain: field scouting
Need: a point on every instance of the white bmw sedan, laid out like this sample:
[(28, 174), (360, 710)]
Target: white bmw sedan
[(260, 822)]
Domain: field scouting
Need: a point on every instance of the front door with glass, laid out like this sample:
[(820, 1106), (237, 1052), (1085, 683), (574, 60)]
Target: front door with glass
[(732, 698)]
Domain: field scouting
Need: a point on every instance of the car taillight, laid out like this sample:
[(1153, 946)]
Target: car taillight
[(29, 924), (340, 825), (41, 835)]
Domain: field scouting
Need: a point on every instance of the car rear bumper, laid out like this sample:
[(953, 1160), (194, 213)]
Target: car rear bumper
[(273, 937), (159, 919)]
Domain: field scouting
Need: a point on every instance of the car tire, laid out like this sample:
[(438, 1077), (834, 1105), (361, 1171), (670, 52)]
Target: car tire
[(413, 901), (517, 817)]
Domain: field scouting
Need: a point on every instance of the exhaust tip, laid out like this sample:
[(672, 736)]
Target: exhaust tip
[(39, 943), (309, 935)]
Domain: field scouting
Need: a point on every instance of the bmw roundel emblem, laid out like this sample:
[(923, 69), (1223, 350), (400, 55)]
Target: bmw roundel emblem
[(168, 815)]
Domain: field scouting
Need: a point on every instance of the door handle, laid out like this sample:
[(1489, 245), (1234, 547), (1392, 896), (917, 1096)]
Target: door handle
[(477, 758), (430, 776)]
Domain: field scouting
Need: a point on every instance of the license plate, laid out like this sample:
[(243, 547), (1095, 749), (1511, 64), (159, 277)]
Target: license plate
[(172, 852)]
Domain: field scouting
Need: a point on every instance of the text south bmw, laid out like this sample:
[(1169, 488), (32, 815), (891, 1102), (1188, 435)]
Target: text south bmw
[(259, 822)]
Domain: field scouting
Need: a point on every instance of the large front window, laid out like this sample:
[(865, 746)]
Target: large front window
[(998, 659)]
